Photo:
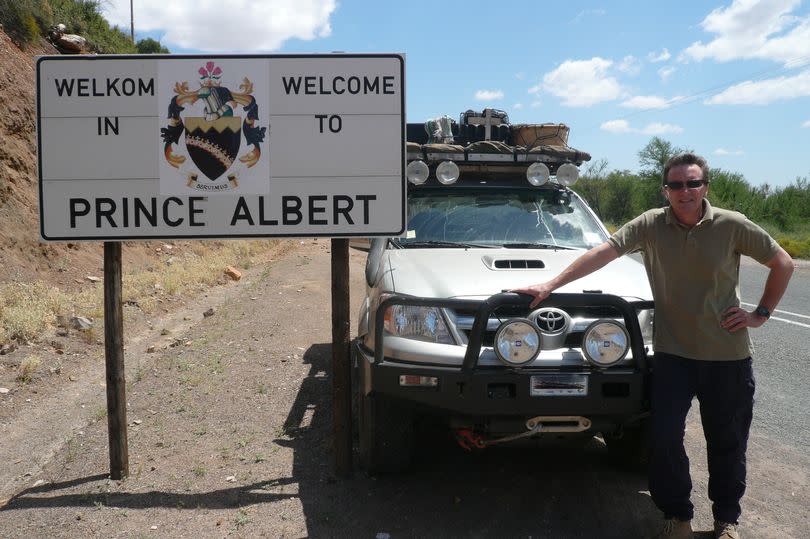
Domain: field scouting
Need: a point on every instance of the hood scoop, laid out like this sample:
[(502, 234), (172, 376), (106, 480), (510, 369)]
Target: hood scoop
[(515, 263)]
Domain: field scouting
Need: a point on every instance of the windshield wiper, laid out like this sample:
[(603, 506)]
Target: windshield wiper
[(533, 245), (442, 243)]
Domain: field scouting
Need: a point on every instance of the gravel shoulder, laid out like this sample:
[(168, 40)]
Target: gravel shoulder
[(230, 436)]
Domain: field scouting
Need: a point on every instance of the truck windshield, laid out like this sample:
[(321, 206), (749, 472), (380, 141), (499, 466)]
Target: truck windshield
[(500, 217)]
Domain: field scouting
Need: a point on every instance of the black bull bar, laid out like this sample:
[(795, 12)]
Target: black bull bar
[(628, 310)]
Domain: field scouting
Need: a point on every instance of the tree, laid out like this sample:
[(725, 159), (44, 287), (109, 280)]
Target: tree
[(618, 204), (655, 155), (591, 185), (150, 46)]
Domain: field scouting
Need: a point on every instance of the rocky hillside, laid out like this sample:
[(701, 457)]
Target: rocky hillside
[(22, 256)]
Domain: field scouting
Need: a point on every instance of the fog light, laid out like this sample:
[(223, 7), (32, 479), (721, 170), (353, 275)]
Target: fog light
[(447, 172), (417, 172), (414, 380), (537, 174), (517, 342), (567, 174), (605, 343)]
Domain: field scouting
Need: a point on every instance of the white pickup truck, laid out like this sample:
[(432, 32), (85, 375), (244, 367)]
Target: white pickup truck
[(441, 338)]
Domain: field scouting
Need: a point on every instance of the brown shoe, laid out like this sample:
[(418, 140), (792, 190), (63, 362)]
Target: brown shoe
[(676, 529), (725, 530)]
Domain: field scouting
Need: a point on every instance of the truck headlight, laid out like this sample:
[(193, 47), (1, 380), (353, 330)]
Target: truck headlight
[(418, 323), (605, 343), (517, 342)]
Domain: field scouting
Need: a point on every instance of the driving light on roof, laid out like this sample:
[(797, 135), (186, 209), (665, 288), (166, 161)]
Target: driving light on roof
[(567, 174), (417, 172), (447, 172), (537, 174)]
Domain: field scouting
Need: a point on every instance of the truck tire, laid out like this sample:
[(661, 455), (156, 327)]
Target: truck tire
[(385, 432), (631, 450)]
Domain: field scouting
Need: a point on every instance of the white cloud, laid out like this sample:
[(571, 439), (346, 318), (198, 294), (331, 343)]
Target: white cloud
[(806, 124), (588, 12), (245, 25), (765, 91), (763, 29), (655, 128), (517, 106), (655, 57), (616, 126), (582, 83), (488, 95), (630, 65), (520, 75), (666, 72), (723, 151), (536, 104), (649, 102)]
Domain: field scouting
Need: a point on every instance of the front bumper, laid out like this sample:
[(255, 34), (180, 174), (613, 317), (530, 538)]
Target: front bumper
[(615, 395), (500, 391)]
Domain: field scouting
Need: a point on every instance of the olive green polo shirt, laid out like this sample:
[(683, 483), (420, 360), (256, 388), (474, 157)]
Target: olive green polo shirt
[(694, 275)]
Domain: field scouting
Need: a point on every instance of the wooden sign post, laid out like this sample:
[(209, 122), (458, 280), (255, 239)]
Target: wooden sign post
[(114, 360), (341, 365)]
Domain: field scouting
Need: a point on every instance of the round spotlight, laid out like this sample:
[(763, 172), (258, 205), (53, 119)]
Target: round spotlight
[(567, 174), (417, 172), (517, 342), (605, 343), (447, 172), (537, 174)]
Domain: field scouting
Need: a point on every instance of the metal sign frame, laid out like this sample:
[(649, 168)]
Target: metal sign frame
[(325, 201)]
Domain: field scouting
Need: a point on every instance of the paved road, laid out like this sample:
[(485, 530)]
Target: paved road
[(782, 358)]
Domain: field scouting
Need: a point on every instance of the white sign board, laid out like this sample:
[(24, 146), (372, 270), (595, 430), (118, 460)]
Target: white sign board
[(148, 147)]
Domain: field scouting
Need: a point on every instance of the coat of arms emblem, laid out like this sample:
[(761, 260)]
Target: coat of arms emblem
[(213, 139)]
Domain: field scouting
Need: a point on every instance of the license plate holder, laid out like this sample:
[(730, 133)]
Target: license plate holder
[(559, 385)]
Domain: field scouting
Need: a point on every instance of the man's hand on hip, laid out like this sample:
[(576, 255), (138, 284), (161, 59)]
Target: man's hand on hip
[(736, 318)]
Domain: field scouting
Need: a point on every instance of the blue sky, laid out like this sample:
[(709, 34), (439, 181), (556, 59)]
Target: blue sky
[(728, 79)]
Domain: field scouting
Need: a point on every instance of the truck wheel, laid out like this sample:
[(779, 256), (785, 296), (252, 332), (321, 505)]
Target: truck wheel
[(630, 450), (385, 434)]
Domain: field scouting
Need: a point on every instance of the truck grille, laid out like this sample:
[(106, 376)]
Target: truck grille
[(580, 319)]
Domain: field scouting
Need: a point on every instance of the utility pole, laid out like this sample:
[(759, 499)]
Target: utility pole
[(131, 22)]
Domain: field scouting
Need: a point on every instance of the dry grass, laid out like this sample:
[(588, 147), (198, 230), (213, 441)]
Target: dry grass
[(28, 367), (28, 310)]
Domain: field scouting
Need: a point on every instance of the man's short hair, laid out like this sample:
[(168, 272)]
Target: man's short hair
[(686, 159)]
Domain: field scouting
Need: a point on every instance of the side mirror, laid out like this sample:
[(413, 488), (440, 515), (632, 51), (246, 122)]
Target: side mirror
[(374, 267)]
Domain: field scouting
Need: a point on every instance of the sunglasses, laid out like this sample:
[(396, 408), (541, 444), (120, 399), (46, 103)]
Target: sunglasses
[(691, 184)]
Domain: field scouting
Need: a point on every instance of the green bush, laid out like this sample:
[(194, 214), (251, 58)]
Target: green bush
[(150, 46), (84, 17), (17, 18), (796, 248)]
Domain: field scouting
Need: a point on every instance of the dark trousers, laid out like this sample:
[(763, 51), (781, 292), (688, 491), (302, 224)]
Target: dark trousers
[(725, 390)]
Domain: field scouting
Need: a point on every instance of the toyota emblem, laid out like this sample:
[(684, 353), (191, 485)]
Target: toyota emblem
[(551, 320)]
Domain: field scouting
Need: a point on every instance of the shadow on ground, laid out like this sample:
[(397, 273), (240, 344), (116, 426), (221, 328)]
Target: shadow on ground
[(552, 490)]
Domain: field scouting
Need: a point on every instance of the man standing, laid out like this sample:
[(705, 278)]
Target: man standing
[(692, 254)]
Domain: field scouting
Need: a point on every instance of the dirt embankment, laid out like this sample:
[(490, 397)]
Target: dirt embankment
[(22, 256)]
